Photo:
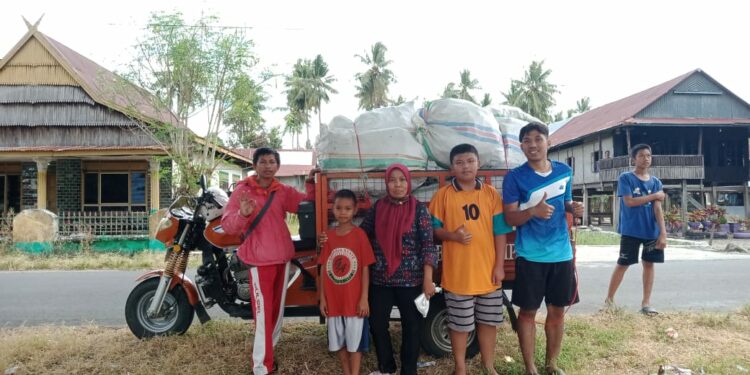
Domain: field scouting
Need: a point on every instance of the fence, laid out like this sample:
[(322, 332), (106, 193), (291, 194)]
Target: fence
[(97, 224)]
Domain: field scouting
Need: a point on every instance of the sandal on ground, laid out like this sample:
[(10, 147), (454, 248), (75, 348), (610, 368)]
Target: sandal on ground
[(648, 310), (555, 371)]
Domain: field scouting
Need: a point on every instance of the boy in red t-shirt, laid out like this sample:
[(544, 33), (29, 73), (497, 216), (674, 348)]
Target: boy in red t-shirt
[(345, 278)]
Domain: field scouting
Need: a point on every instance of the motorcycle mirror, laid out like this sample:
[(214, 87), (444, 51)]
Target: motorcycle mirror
[(202, 182)]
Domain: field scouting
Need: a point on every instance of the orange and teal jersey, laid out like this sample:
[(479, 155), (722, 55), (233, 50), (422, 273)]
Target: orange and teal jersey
[(467, 269)]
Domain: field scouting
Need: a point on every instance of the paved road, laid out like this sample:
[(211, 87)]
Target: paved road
[(691, 280)]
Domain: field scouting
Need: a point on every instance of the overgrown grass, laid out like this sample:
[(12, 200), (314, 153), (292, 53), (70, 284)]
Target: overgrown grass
[(606, 343), (21, 261), (594, 238)]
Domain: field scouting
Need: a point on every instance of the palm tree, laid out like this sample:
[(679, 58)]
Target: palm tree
[(536, 93), (321, 83), (466, 85), (293, 125), (372, 89), (450, 91), (486, 100), (300, 92), (583, 104), (513, 96)]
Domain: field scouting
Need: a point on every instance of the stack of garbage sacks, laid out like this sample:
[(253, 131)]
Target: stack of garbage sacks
[(422, 138)]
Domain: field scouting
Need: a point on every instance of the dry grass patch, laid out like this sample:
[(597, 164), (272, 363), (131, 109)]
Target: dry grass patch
[(606, 343), (21, 261)]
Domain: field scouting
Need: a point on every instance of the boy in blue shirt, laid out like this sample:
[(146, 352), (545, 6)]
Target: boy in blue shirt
[(641, 222), (536, 196)]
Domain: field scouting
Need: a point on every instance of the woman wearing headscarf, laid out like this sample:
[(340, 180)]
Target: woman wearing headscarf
[(400, 230)]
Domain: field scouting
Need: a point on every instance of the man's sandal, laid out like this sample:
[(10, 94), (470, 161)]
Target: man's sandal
[(649, 311)]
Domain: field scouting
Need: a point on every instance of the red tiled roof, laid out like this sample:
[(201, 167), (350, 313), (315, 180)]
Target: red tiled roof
[(293, 170), (613, 114)]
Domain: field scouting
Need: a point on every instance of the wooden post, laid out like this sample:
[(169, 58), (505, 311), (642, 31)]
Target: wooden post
[(684, 206), (700, 141), (586, 208), (627, 137), (41, 183), (615, 208), (154, 168), (745, 199)]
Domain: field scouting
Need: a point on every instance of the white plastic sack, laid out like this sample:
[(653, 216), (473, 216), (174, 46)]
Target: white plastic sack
[(387, 137), (387, 117), (445, 123), (511, 120)]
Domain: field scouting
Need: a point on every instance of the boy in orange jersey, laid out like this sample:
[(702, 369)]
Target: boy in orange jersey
[(468, 218)]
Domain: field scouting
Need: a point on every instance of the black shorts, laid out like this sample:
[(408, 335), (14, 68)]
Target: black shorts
[(629, 251), (554, 282)]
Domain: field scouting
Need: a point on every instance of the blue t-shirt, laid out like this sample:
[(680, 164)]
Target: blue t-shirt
[(540, 240), (638, 221)]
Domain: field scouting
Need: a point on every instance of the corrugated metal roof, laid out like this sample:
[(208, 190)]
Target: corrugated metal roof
[(43, 94), (612, 114), (61, 114), (623, 112)]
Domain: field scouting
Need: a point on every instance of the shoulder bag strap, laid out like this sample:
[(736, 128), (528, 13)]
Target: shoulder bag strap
[(260, 215)]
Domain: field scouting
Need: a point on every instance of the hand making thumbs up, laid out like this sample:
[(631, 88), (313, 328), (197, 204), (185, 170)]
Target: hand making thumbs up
[(543, 210), (462, 235)]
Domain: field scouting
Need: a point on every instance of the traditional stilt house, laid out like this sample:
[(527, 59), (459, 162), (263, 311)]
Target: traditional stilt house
[(699, 133)]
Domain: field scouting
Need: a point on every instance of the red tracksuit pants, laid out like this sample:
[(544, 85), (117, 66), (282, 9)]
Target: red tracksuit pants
[(268, 291)]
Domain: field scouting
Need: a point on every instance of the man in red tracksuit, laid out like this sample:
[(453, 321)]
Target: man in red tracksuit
[(268, 248)]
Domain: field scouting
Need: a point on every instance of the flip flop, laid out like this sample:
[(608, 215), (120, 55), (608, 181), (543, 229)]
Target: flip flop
[(648, 310), (555, 371)]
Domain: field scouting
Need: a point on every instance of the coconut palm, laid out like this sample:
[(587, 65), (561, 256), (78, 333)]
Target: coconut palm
[(293, 125), (372, 88), (583, 104), (486, 100), (450, 91), (466, 85), (321, 83), (513, 96), (536, 92)]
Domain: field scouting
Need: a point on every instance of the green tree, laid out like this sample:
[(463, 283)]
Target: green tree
[(274, 138), (450, 91), (246, 124), (372, 87), (466, 85), (583, 104), (189, 68), (308, 88), (486, 100), (294, 121), (463, 90), (571, 113), (513, 96), (400, 100), (534, 93)]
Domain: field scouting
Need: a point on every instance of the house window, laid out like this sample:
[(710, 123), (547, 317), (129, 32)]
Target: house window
[(224, 181), (114, 191), (571, 162), (595, 156)]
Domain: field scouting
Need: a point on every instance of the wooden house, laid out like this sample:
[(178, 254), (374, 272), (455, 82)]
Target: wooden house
[(72, 138), (698, 131)]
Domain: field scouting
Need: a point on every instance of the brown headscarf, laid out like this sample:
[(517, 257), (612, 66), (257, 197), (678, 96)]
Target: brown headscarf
[(394, 218)]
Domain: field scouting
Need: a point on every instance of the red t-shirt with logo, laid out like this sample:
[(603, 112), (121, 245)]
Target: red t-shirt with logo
[(343, 257)]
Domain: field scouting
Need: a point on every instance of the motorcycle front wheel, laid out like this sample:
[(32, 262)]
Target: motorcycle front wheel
[(174, 318)]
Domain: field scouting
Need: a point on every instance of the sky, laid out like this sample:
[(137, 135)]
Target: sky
[(605, 50)]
